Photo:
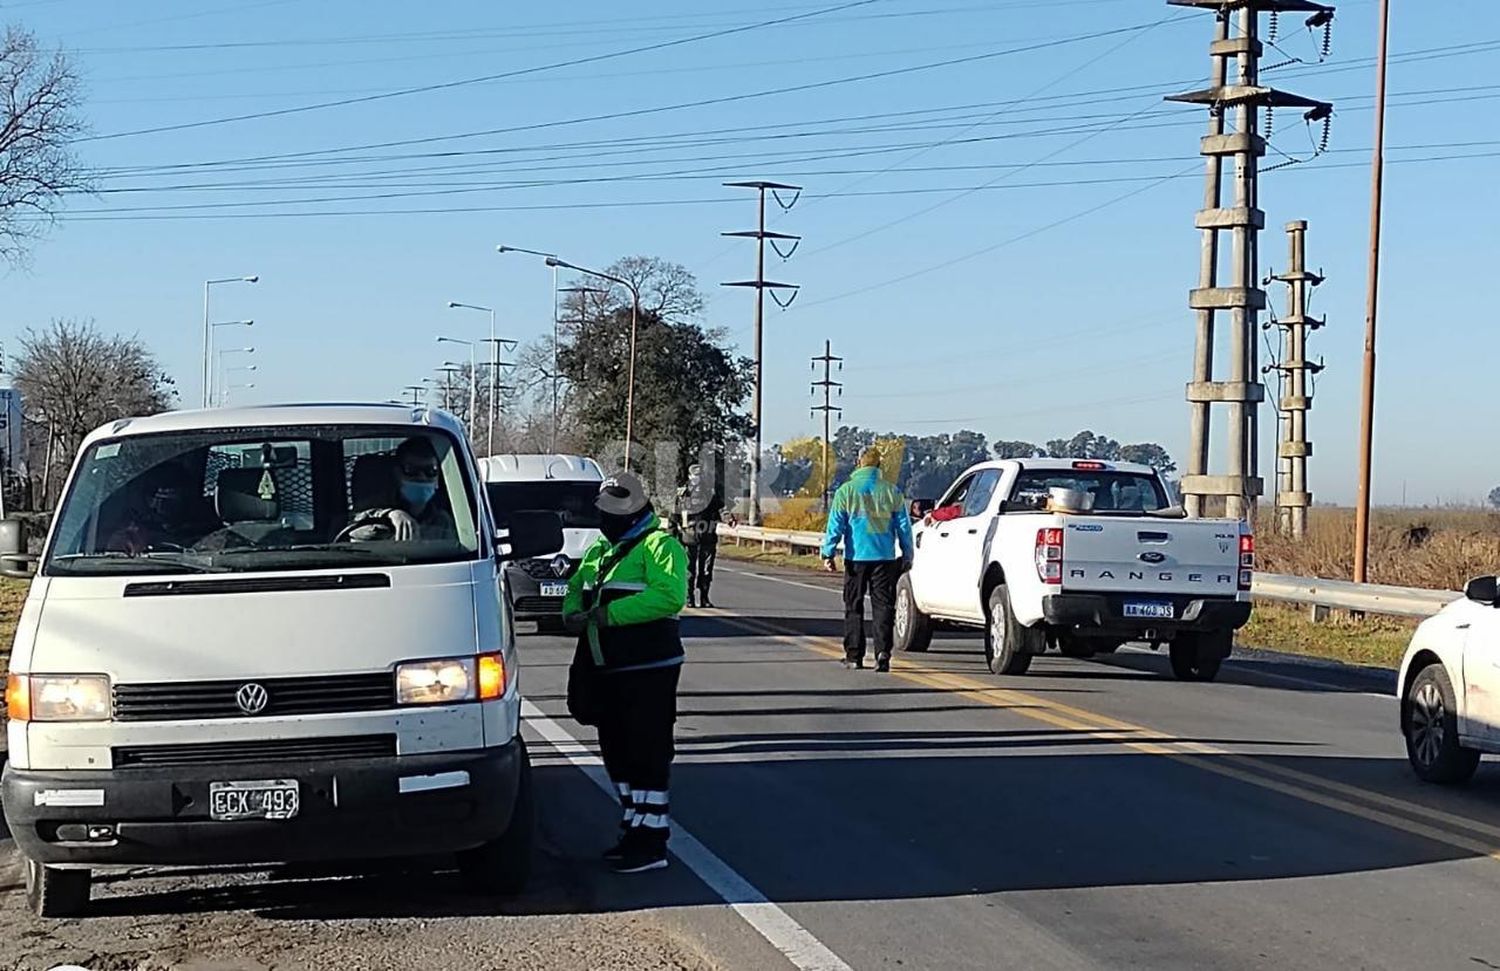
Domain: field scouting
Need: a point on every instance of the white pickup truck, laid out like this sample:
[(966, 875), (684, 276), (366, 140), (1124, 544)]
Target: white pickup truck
[(1080, 555)]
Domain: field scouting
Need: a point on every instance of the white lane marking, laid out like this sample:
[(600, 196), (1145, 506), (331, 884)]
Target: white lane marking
[(802, 949), (1245, 667)]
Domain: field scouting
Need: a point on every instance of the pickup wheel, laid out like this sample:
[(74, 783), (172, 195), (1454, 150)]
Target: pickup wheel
[(1197, 657), (1429, 721), (913, 628), (56, 893), (1008, 646)]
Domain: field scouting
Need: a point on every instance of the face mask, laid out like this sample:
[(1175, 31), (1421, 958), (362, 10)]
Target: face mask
[(615, 527), (417, 494)]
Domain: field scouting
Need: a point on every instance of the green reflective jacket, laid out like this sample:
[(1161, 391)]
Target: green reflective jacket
[(643, 592)]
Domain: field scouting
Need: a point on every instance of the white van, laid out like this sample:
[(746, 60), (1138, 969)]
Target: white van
[(269, 635), (565, 484)]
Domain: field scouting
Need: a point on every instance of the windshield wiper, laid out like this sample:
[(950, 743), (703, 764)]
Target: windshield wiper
[(145, 562)]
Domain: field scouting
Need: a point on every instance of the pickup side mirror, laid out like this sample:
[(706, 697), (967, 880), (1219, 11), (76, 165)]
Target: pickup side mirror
[(532, 533), (1483, 590)]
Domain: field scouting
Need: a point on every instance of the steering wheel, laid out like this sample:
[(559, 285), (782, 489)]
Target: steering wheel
[(380, 527)]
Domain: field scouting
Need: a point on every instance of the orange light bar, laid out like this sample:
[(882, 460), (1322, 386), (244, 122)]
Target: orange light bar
[(18, 697), (491, 669)]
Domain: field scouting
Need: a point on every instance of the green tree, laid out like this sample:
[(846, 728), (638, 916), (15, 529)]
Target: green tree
[(1495, 497), (1084, 445), (1149, 453), (1017, 450)]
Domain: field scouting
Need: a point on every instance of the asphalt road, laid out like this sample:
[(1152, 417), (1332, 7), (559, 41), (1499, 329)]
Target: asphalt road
[(1088, 815)]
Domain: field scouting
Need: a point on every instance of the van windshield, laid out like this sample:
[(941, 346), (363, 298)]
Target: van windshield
[(573, 498), (246, 500)]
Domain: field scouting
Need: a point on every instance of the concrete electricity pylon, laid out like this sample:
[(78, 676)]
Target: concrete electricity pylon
[(1234, 102), (1293, 497), (827, 408), (761, 285)]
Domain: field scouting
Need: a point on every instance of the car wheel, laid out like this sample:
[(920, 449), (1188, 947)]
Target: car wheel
[(1430, 719), (913, 628), (501, 867), (1197, 657), (1008, 646), (56, 893)]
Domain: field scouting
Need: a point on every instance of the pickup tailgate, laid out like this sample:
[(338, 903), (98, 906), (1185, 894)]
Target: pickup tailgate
[(1191, 557)]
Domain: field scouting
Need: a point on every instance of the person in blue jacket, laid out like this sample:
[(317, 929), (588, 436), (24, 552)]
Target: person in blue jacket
[(868, 518)]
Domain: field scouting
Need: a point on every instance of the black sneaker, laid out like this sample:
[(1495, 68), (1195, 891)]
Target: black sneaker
[(856, 663), (882, 663), (692, 601), (618, 852), (703, 601), (643, 856)]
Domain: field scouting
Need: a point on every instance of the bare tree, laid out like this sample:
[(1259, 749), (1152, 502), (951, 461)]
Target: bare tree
[(668, 291), (40, 95), (74, 379)]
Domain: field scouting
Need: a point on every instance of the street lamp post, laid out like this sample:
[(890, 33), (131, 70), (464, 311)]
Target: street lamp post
[(635, 313), (235, 387), (494, 343), (220, 371), (555, 336), (214, 342), (207, 332)]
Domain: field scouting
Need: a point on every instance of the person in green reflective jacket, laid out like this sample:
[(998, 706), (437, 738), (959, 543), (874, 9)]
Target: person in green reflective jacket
[(623, 601)]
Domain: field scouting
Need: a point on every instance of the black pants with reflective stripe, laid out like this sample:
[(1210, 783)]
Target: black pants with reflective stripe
[(878, 578), (637, 710)]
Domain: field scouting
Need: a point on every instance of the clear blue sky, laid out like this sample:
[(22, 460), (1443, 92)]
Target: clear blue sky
[(1041, 332)]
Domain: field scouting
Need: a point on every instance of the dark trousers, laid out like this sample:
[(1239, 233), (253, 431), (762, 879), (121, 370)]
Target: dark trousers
[(701, 556), (878, 578), (636, 712)]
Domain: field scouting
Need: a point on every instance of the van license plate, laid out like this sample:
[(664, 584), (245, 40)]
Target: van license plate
[(272, 799), (1150, 611), (554, 589)]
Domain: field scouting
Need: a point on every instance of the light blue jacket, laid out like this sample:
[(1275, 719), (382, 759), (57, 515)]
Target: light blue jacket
[(868, 518)]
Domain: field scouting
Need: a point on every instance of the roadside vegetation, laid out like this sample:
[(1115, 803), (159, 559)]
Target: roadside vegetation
[(12, 595)]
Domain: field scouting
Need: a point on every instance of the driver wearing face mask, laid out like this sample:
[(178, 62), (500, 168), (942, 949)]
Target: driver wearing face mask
[(419, 513)]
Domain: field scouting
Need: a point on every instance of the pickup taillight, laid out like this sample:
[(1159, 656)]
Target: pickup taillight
[(1247, 560), (1049, 554)]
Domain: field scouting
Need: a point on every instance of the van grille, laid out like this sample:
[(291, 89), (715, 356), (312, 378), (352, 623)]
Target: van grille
[(179, 700), (259, 750)]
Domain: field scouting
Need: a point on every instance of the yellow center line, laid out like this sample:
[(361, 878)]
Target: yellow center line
[(1302, 786)]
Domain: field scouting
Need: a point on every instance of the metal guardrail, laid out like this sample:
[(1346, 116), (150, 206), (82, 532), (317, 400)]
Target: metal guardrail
[(1369, 598)]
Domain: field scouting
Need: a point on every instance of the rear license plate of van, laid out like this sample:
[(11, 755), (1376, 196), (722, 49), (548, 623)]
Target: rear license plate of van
[(1150, 610), (554, 589), (270, 799)]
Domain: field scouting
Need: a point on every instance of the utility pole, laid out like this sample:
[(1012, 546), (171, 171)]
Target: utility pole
[(761, 285), (416, 391), (1292, 494), (1372, 297), (1234, 107), (827, 408)]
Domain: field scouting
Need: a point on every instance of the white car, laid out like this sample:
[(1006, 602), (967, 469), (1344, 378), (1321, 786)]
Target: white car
[(270, 635), (563, 484), (1450, 686), (1078, 554)]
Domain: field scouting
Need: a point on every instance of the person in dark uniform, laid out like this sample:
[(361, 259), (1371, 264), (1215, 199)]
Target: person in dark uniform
[(695, 519)]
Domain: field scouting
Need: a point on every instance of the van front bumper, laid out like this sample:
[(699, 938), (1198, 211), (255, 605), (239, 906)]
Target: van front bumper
[(406, 805)]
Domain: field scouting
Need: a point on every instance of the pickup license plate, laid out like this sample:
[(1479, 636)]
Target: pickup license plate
[(271, 799), (554, 589), (1150, 611)]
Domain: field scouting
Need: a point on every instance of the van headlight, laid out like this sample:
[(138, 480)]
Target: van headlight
[(448, 680), (58, 697), (440, 682)]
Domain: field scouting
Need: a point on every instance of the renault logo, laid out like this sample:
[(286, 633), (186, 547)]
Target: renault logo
[(251, 698)]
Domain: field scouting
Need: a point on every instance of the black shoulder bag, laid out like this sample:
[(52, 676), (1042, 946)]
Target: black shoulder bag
[(583, 674)]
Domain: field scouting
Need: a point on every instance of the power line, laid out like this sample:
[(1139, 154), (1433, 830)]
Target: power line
[(449, 85)]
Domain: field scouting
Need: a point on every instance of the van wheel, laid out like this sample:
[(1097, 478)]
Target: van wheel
[(913, 628), (501, 867), (1197, 657), (1430, 723), (1008, 647), (56, 893)]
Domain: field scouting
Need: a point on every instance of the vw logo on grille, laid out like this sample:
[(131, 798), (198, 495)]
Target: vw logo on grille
[(251, 698)]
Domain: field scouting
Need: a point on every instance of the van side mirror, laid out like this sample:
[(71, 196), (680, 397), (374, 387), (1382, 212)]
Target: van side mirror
[(532, 533), (1483, 590)]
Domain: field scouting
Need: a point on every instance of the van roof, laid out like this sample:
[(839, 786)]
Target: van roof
[(535, 468), (260, 416)]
